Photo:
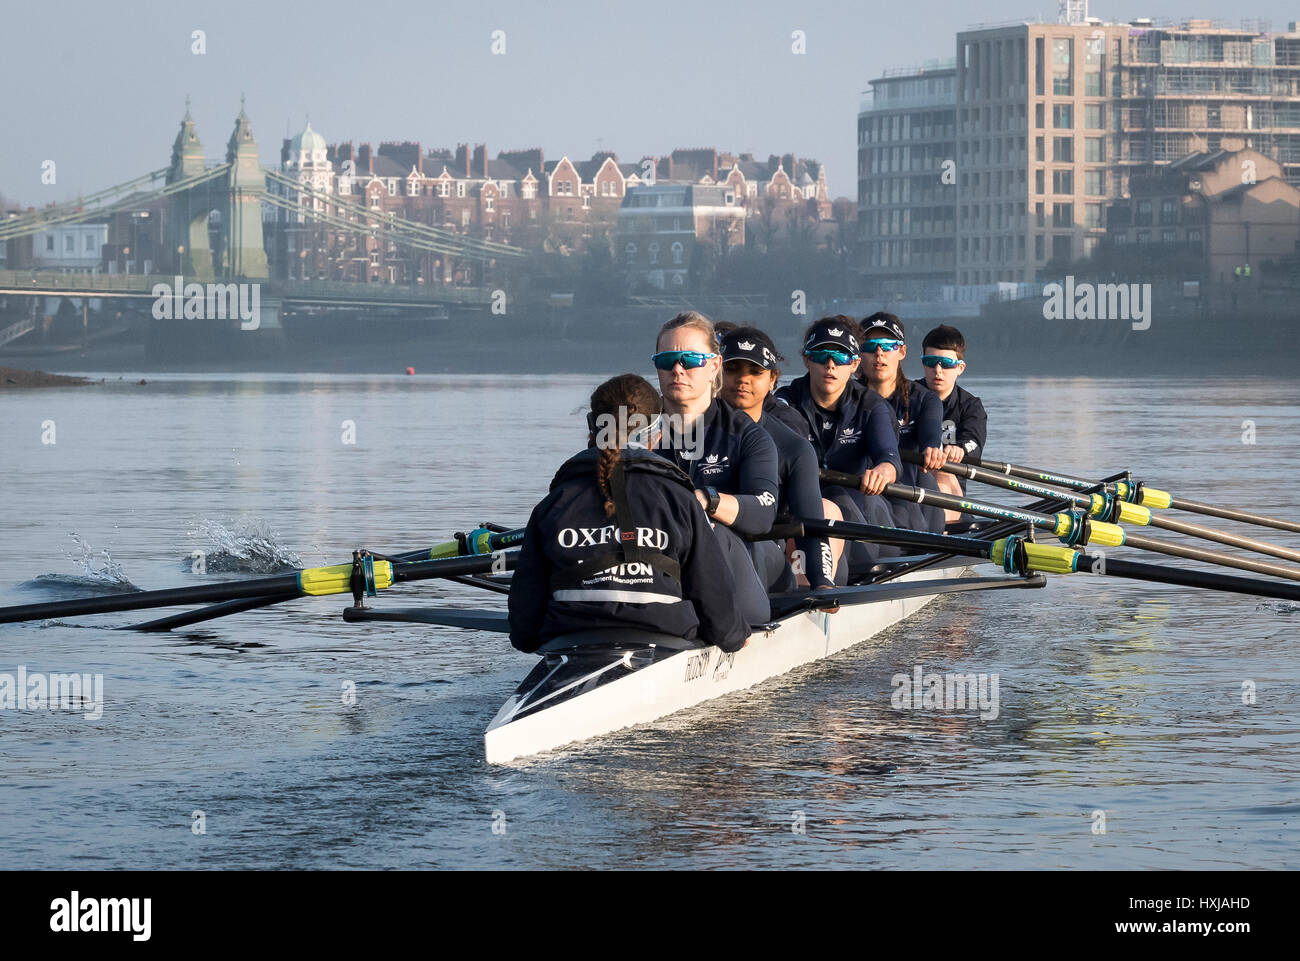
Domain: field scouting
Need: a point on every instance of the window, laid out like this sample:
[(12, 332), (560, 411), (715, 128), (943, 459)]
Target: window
[(1038, 116), (464, 218), (1061, 49), (1143, 216), (1038, 247), (1039, 218), (629, 252), (1144, 236), (374, 199), (654, 252), (1094, 150), (1194, 240), (1063, 149), (586, 201), (90, 242), (460, 188), (392, 188), (412, 188), (1061, 248), (1063, 116), (490, 203), (1062, 181), (1092, 84), (1168, 236), (1094, 117), (1092, 215), (729, 198), (1063, 215), (69, 244), (1061, 85), (530, 191), (1038, 149), (1038, 66), (1094, 182), (677, 250), (1038, 181), (1168, 212)]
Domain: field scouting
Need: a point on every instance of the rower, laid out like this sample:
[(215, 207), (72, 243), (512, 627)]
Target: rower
[(850, 427), (918, 411), (620, 542), (750, 372), (965, 423), (730, 459)]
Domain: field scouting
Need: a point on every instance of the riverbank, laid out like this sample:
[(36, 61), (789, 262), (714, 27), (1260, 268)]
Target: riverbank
[(12, 377)]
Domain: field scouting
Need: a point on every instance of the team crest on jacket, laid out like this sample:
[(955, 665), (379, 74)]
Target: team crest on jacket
[(849, 434), (714, 465)]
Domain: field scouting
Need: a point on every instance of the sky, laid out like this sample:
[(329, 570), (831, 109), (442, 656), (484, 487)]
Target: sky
[(100, 88)]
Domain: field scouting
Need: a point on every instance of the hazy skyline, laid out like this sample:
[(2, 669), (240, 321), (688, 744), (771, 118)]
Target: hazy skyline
[(100, 89)]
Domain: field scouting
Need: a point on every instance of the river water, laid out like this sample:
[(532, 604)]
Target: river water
[(1122, 739)]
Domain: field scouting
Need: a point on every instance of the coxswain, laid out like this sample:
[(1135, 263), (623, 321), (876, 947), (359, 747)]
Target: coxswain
[(620, 541), (850, 427), (918, 411), (730, 459), (750, 371)]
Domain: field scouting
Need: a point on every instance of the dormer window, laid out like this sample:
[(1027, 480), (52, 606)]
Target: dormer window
[(444, 189)]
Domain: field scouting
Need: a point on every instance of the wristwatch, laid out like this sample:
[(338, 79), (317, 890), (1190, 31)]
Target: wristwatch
[(713, 500)]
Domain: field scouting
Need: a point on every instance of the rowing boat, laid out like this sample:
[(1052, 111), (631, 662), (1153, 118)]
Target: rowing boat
[(593, 683)]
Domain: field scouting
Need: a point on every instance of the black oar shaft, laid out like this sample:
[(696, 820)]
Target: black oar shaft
[(208, 613), (946, 501), (285, 585), (1230, 514), (1144, 543), (1207, 580), (982, 476), (1179, 503), (1222, 537)]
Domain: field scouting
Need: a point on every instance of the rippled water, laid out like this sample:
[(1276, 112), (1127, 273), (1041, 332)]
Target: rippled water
[(1114, 697)]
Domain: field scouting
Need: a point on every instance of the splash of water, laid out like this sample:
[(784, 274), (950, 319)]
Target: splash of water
[(246, 546), (100, 574)]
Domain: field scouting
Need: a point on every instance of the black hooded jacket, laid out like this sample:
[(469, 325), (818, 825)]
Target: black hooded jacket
[(550, 595)]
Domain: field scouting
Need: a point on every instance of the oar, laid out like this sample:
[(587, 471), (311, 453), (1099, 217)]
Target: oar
[(1000, 529), (316, 581), (1019, 556), (1137, 493), (1071, 527), (488, 538), (1110, 507)]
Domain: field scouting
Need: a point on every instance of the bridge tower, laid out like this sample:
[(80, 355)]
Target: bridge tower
[(187, 214), (245, 251)]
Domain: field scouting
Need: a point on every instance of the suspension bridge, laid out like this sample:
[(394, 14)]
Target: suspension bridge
[(213, 217)]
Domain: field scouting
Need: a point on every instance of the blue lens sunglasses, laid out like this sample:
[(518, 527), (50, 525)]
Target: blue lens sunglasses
[(689, 359), (882, 343), (840, 357), (947, 363)]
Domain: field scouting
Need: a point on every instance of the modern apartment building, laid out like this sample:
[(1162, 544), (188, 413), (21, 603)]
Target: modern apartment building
[(1052, 121), (907, 189)]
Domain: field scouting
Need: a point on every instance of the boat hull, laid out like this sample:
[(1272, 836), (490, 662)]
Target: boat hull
[(638, 686)]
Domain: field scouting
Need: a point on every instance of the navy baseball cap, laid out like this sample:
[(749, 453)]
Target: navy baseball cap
[(883, 325), (739, 347), (828, 332)]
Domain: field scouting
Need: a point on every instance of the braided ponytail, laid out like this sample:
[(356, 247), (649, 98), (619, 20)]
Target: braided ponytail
[(622, 398)]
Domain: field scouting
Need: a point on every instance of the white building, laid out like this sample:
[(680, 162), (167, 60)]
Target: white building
[(70, 248)]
